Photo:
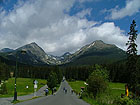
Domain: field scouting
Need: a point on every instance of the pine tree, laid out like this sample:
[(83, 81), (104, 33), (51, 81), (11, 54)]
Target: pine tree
[(132, 57), (132, 46)]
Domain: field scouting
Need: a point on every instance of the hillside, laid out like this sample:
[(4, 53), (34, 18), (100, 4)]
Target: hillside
[(97, 52)]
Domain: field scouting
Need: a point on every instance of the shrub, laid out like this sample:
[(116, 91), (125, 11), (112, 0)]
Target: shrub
[(3, 89), (124, 101), (97, 81), (52, 80)]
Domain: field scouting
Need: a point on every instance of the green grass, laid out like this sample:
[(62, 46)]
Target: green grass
[(115, 90), (21, 86), (117, 85), (76, 85), (90, 101)]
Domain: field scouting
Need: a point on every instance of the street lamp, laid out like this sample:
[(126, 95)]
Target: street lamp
[(15, 91)]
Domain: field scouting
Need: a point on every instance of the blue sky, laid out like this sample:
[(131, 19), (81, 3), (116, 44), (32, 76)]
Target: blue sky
[(80, 21), (97, 13)]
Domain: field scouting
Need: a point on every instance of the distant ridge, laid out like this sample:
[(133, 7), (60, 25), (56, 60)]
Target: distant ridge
[(97, 52), (6, 50)]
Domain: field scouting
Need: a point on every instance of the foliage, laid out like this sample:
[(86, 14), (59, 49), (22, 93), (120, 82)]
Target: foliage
[(59, 75), (76, 85), (132, 57), (132, 46), (124, 101), (117, 71), (77, 72), (4, 71), (21, 86), (90, 100), (4, 75), (137, 101), (112, 93), (138, 69), (3, 89), (97, 81), (52, 80)]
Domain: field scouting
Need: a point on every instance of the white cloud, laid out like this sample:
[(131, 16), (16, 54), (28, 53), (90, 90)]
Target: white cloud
[(109, 33), (52, 29), (84, 13), (131, 7)]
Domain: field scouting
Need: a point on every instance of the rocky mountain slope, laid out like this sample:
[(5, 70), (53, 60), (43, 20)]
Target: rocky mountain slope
[(96, 52), (34, 55), (6, 50)]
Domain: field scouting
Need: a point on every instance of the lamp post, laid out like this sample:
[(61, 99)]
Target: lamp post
[(15, 90)]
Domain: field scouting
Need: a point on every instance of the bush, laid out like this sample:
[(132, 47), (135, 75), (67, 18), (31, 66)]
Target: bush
[(52, 80), (124, 101), (137, 101), (3, 89), (97, 81), (105, 98)]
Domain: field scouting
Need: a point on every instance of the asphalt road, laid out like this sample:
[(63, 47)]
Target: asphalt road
[(60, 98)]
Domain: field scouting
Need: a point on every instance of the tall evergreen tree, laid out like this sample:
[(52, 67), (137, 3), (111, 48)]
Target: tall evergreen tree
[(132, 57), (132, 46)]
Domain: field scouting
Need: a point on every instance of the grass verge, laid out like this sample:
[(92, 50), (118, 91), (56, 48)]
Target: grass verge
[(115, 90), (21, 86), (76, 85)]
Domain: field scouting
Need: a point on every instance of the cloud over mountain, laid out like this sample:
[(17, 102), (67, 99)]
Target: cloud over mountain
[(47, 23)]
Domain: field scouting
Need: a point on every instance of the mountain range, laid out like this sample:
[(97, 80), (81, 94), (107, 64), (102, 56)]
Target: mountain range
[(6, 50), (97, 52)]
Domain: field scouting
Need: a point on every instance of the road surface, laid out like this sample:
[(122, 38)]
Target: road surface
[(61, 98)]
